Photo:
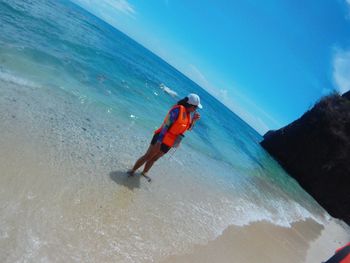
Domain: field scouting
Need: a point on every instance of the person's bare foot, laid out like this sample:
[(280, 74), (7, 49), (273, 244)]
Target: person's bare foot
[(130, 173), (147, 178)]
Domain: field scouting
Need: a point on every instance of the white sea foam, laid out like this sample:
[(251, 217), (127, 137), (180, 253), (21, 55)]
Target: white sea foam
[(168, 90), (287, 214), (281, 212), (13, 78)]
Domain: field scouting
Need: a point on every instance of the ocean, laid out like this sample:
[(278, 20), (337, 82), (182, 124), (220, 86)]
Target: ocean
[(79, 101)]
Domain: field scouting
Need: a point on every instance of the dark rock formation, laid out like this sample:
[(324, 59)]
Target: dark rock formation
[(346, 95), (315, 150)]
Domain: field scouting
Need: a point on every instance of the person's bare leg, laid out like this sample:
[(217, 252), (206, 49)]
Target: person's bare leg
[(152, 151), (150, 163)]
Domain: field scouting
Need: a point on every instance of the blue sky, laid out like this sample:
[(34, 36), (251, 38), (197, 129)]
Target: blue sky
[(268, 61)]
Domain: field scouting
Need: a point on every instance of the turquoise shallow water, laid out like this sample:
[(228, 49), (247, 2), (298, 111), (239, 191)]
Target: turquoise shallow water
[(79, 102)]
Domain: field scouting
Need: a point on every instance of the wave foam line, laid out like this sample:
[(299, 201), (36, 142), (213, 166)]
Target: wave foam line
[(12, 78), (169, 91)]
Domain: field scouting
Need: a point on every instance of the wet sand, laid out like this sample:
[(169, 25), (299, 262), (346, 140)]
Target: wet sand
[(304, 242)]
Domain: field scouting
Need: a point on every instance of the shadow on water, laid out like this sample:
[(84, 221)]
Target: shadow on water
[(121, 178)]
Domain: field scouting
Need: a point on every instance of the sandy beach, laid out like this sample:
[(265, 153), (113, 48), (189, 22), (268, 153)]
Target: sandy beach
[(305, 242), (66, 191), (66, 196)]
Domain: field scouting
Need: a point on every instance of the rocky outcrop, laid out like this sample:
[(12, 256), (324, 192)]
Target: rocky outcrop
[(315, 150)]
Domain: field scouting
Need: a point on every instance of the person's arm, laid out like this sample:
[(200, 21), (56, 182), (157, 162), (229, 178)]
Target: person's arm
[(196, 117), (172, 117)]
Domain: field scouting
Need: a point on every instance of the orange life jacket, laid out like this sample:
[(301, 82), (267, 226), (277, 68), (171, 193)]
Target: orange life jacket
[(345, 259), (182, 124)]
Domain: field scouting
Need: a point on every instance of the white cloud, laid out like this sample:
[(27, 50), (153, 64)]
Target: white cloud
[(341, 70), (347, 16), (234, 102), (101, 7), (255, 116), (121, 5), (197, 76)]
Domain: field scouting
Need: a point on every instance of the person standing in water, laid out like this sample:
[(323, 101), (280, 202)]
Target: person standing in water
[(176, 123)]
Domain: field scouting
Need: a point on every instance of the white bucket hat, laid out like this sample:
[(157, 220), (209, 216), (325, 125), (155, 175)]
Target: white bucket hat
[(194, 99)]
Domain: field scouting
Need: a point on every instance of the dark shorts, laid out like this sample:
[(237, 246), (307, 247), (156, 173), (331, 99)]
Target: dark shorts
[(163, 147)]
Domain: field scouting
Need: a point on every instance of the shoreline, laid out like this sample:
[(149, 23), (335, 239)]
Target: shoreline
[(305, 242)]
